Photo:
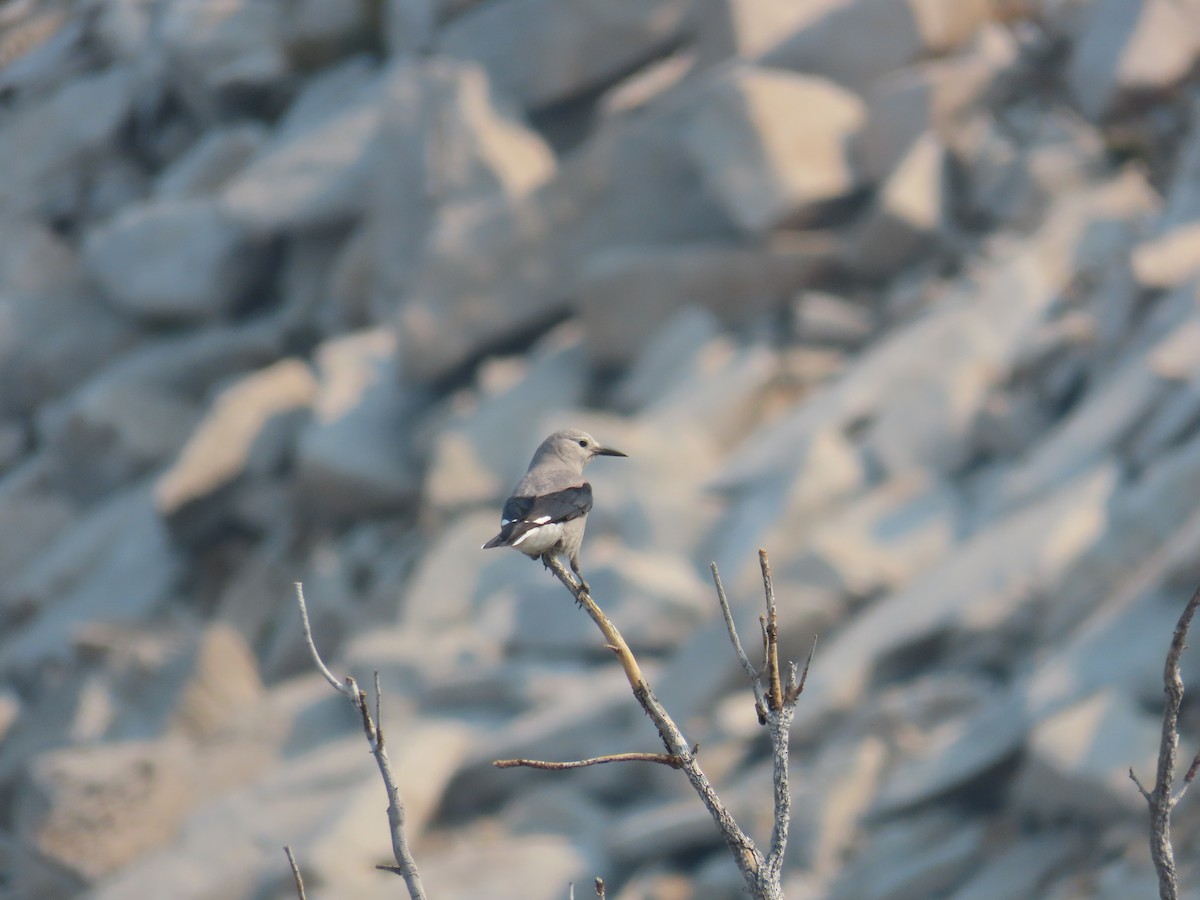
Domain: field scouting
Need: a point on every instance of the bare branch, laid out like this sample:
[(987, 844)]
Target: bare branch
[(600, 888), (665, 759), (771, 629), (406, 866), (1188, 778), (760, 700), (295, 873), (1162, 799), (1141, 787)]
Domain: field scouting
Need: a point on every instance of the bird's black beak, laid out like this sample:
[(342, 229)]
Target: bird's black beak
[(609, 451)]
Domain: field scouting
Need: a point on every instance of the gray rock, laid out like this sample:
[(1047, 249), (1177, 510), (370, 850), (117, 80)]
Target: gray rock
[(243, 426), (452, 144), (878, 542), (43, 293), (173, 261), (907, 215), (317, 169), (1078, 760), (1021, 869), (114, 564), (667, 358), (854, 42), (913, 858), (1114, 408), (87, 811), (831, 800), (746, 28), (771, 145), (217, 156), (408, 25), (628, 294), (353, 458), (525, 252), (316, 33), (974, 588), (937, 371), (112, 432), (929, 97), (543, 52), (53, 145), (215, 53), (1129, 50)]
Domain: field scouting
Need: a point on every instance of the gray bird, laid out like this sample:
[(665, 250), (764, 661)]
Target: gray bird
[(547, 511)]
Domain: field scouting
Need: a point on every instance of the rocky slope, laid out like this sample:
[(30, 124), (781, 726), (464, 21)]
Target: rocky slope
[(903, 291)]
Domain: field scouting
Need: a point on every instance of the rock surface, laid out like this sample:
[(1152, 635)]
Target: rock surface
[(903, 291)]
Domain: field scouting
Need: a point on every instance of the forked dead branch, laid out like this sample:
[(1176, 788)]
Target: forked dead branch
[(774, 700), (1163, 798)]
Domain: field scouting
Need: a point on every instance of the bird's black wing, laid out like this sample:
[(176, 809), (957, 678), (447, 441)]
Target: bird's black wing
[(522, 514)]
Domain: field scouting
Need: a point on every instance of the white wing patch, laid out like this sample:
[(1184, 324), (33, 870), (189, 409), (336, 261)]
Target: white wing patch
[(541, 520)]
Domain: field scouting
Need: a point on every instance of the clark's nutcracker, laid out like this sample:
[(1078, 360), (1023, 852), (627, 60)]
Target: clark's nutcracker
[(548, 508)]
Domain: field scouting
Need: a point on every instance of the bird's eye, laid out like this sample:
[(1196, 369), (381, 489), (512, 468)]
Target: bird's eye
[(582, 442)]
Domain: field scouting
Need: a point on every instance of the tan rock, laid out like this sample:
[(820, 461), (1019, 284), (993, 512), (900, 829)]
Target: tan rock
[(771, 145)]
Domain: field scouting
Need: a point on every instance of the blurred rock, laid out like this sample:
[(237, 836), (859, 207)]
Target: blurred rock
[(929, 97), (822, 318), (317, 33), (909, 860), (504, 867), (1128, 50), (173, 261), (87, 811), (771, 145), (450, 141), (316, 169), (114, 564), (853, 42), (1021, 869), (351, 457), (1078, 761), (54, 144), (626, 295), (240, 435), (745, 28), (523, 252), (876, 543), (111, 432), (1050, 536), (541, 52), (907, 215), (222, 54), (1167, 260), (43, 294), (208, 165)]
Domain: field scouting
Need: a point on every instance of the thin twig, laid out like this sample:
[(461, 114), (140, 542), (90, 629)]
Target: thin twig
[(760, 701), (796, 688), (340, 687), (295, 873), (406, 866), (600, 888), (1161, 799), (665, 759)]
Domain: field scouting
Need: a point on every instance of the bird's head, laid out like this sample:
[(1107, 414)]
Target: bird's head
[(575, 447)]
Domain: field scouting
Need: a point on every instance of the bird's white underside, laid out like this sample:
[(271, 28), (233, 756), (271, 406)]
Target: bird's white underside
[(537, 541)]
